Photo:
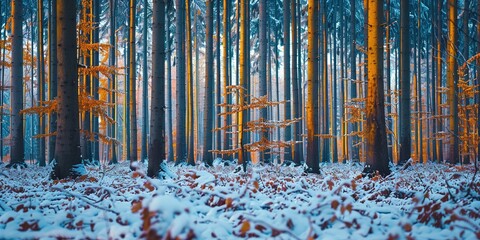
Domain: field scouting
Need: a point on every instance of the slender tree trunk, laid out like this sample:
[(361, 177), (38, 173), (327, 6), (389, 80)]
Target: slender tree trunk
[(296, 111), (218, 85), (312, 104), (86, 146), (113, 79), (67, 153), (41, 82), (181, 142), (209, 82), (52, 69), (226, 71), (439, 80), (375, 129), (132, 68), (286, 70), (353, 77), (190, 91), (388, 77), (16, 79), (145, 80), (452, 80), (405, 128), (170, 157), (262, 65), (156, 150), (96, 82), (2, 59), (243, 79), (324, 85)]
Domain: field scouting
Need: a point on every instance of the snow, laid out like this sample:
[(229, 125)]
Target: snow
[(429, 201)]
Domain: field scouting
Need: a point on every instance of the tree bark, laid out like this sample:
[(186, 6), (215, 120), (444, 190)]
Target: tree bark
[(312, 103), (156, 150), (181, 142), (143, 155), (375, 130), (286, 70), (67, 151), (209, 82), (17, 156), (132, 68), (405, 128), (41, 82), (112, 62), (452, 82), (170, 157)]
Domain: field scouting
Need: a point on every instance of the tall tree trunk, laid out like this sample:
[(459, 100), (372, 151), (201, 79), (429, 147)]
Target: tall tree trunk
[(86, 145), (452, 80), (325, 148), (67, 153), (226, 70), (353, 77), (112, 62), (132, 68), (156, 150), (209, 82), (2, 81), (439, 80), (181, 142), (375, 129), (405, 128), (144, 152), (286, 71), (41, 82), (96, 83), (52, 75), (296, 111), (243, 81), (388, 77), (16, 79), (218, 85), (312, 103), (262, 65), (170, 157), (190, 95)]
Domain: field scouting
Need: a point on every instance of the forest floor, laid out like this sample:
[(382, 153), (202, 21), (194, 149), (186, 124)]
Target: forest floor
[(431, 201)]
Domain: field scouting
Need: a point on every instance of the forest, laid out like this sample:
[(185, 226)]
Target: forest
[(234, 119)]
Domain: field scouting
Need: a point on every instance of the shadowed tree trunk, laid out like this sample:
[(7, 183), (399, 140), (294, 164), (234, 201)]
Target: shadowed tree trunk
[(262, 64), (144, 152), (375, 129), (209, 81), (112, 61), (156, 150), (181, 142), (405, 128), (52, 69), (41, 82), (170, 157), (17, 156), (286, 70), (67, 151)]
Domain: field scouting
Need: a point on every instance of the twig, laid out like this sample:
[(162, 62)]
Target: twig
[(85, 199)]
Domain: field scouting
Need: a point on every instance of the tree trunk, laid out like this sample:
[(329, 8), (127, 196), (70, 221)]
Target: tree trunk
[(375, 130), (170, 157), (262, 65), (41, 82), (67, 153), (132, 68), (452, 80), (226, 71), (218, 85), (190, 95), (312, 103), (156, 150), (181, 142), (86, 144), (325, 148), (52, 75), (96, 83), (296, 111), (439, 80), (405, 128), (113, 79), (286, 70), (353, 77), (144, 152), (243, 78), (209, 82), (16, 79)]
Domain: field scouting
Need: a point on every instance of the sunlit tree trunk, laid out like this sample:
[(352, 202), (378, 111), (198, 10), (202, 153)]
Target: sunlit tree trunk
[(113, 79), (405, 128), (375, 130), (132, 67), (388, 78), (156, 150), (181, 142), (452, 80), (209, 82), (218, 84), (17, 156), (243, 78), (67, 153), (190, 89), (325, 121), (226, 68), (312, 104)]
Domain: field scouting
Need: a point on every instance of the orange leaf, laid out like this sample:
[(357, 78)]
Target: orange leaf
[(245, 227), (228, 203), (330, 185), (149, 186), (135, 175), (136, 206), (407, 227), (335, 204), (255, 184)]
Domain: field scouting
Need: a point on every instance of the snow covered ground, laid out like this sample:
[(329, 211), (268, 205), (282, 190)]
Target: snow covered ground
[(423, 202)]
